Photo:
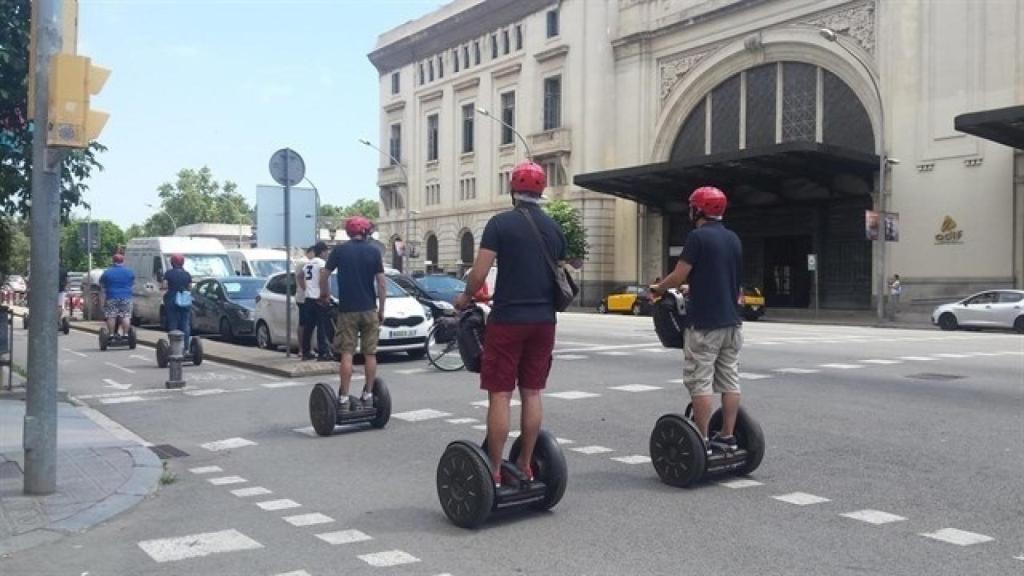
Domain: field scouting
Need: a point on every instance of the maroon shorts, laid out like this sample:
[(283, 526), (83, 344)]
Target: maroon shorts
[(516, 353)]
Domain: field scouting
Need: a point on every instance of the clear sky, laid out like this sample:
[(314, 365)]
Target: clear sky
[(225, 83)]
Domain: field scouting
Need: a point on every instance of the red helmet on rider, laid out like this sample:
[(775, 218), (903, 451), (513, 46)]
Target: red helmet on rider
[(358, 226), (528, 178), (707, 202), (177, 261), (118, 258)]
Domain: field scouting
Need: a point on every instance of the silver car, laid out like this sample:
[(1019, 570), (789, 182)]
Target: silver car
[(990, 309)]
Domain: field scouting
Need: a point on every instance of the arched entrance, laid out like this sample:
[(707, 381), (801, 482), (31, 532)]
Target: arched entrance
[(467, 251), (432, 253), (397, 250)]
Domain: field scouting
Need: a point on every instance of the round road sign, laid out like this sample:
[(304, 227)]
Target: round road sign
[(287, 167)]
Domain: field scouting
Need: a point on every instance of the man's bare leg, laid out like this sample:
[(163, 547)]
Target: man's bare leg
[(730, 407), (370, 369), (497, 426), (702, 406), (345, 374), (531, 415)]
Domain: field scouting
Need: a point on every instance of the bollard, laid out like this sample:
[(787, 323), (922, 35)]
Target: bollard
[(176, 356)]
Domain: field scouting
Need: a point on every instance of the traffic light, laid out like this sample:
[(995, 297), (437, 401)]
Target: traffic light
[(73, 80)]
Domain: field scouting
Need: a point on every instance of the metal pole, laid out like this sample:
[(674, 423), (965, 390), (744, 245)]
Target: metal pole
[(405, 198), (40, 428), (288, 251)]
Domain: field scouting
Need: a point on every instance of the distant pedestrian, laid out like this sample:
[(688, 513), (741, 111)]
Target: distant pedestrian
[(317, 310), (177, 287), (895, 290), (300, 296)]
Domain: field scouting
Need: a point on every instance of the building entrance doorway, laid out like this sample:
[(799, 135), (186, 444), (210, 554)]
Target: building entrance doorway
[(787, 283)]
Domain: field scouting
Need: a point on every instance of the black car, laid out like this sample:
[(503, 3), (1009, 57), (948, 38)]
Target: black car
[(438, 306), (225, 305)]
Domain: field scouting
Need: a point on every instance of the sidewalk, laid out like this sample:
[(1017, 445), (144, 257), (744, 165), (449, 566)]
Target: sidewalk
[(910, 319), (99, 475)]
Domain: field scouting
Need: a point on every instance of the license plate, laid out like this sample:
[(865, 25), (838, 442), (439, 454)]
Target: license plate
[(402, 333), (755, 308)]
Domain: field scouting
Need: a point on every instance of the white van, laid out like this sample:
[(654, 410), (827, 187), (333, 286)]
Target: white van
[(150, 257), (258, 262)]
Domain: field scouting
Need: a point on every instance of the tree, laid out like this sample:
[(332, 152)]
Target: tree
[(363, 207), (14, 246), (16, 127), (197, 197), (568, 218), (73, 254)]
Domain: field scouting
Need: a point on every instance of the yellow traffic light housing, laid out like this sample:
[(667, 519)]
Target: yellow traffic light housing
[(69, 43), (73, 80)]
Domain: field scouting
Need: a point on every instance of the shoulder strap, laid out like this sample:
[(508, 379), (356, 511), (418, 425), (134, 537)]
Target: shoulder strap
[(540, 240)]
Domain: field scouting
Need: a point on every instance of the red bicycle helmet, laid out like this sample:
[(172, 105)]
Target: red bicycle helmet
[(528, 178), (118, 258), (177, 261), (709, 202), (358, 226)]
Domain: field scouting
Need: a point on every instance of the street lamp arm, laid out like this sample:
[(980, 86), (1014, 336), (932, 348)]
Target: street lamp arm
[(484, 112), (408, 217), (833, 36)]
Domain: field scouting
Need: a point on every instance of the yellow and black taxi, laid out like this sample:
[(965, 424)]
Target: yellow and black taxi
[(630, 299), (752, 306)]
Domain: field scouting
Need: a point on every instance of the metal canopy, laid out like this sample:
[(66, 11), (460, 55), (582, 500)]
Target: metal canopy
[(1002, 125), (756, 176)]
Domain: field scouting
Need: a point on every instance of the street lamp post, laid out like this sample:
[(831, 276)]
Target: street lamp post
[(883, 163), (405, 198), (174, 224), (484, 112)]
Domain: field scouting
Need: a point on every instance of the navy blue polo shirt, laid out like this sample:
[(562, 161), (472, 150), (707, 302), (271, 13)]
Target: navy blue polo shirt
[(358, 263), (524, 292), (178, 280), (716, 254)]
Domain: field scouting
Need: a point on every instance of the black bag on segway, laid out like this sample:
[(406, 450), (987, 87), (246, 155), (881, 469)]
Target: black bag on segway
[(670, 319), (470, 334), (447, 329)]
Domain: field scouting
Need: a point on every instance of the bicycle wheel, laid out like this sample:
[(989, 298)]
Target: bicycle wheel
[(443, 355)]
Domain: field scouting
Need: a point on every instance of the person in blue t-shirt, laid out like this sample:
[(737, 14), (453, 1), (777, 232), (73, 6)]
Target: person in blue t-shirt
[(712, 262), (116, 296), (360, 312), (176, 280)]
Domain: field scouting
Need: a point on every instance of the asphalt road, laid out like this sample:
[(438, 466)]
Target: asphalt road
[(916, 434)]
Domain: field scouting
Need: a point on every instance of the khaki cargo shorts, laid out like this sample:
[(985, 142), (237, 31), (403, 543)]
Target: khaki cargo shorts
[(351, 327), (712, 360)]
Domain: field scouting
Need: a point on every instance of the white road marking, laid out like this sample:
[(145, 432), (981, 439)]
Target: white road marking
[(251, 491), (842, 366), (946, 355), (880, 361), (225, 480), (294, 573), (769, 343), (75, 352), (205, 392), (480, 427), (572, 395), (958, 537), (119, 367), (986, 354), (229, 444), (115, 384), (121, 400), (570, 357), (388, 558), (205, 470), (592, 450), (655, 350), (288, 384), (740, 483), (797, 371), (604, 348), (917, 358), (1021, 557), (282, 504), (634, 459), (753, 376), (420, 415), (461, 420), (635, 388), (307, 431), (614, 353), (344, 537), (564, 441), (308, 519), (676, 381), (140, 357), (873, 516), (484, 403), (412, 371), (801, 498), (197, 545)]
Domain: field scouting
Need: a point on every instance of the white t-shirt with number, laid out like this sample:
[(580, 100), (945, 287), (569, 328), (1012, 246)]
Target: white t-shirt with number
[(311, 273)]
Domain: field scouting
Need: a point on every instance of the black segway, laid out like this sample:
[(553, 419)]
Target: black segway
[(194, 354), (117, 339), (680, 455), (63, 324), (325, 412), (465, 482)]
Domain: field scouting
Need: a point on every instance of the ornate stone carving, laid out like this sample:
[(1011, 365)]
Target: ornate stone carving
[(674, 68), (856, 21)]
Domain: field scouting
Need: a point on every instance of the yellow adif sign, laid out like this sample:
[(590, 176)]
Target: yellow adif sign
[(948, 233)]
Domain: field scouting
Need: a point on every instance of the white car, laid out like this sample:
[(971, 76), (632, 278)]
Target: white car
[(990, 309), (405, 327)]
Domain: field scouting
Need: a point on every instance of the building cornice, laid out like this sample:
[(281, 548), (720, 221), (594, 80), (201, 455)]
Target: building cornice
[(432, 95), (466, 84), (552, 53), (394, 106), (508, 70)]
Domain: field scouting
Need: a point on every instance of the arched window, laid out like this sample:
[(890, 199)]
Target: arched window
[(431, 252), (467, 248)]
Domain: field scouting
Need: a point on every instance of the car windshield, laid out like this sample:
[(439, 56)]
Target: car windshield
[(441, 284), (205, 265), (394, 290), (242, 289), (264, 268)]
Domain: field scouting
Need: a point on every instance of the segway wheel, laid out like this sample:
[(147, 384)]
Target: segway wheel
[(464, 485), (677, 451), (749, 437), (196, 345), (163, 353), (382, 401), (65, 326), (548, 465), (104, 338), (132, 338), (323, 409)]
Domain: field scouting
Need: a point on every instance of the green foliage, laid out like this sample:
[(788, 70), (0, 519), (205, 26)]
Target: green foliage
[(16, 129), (569, 220), (73, 254), (14, 247), (196, 197), (329, 213)]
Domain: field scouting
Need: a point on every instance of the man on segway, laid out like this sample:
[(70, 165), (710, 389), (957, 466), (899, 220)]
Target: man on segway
[(177, 287), (360, 269), (712, 264), (521, 325), (116, 297)]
